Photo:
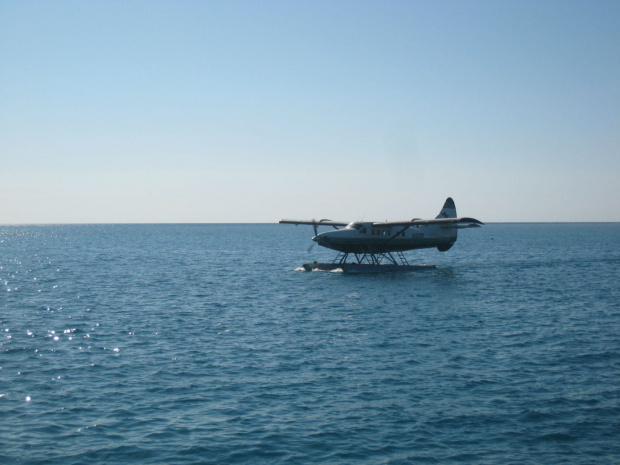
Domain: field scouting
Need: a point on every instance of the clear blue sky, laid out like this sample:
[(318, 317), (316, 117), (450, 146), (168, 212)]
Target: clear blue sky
[(250, 111)]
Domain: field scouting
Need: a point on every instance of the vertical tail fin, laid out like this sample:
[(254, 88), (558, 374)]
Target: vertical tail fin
[(448, 210)]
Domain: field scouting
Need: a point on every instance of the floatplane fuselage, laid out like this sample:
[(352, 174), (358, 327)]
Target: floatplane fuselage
[(373, 243)]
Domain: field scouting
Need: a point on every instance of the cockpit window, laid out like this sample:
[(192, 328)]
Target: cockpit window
[(354, 226)]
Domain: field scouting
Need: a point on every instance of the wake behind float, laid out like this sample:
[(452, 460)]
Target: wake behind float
[(369, 246)]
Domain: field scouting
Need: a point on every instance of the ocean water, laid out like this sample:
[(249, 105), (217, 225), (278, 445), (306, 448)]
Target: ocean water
[(202, 344)]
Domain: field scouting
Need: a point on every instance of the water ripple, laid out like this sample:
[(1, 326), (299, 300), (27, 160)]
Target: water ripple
[(192, 344)]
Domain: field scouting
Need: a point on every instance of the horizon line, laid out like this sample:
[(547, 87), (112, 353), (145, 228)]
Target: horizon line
[(269, 222)]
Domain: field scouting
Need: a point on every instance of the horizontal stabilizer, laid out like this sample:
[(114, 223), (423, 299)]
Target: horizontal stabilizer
[(462, 226)]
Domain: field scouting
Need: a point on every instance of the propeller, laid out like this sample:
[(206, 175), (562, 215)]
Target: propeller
[(316, 233), (315, 225)]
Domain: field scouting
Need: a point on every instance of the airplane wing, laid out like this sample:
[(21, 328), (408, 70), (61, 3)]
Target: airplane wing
[(314, 222), (464, 222)]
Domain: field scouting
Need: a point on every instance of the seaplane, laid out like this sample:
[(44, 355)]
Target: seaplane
[(379, 246)]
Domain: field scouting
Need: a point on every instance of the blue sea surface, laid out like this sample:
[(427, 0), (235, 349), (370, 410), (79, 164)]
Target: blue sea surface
[(204, 344)]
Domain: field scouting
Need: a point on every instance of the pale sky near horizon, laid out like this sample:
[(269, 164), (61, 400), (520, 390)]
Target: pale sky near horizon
[(252, 111)]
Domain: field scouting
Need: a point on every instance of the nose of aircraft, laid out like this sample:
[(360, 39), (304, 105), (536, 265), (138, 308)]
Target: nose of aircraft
[(322, 237)]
